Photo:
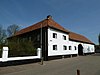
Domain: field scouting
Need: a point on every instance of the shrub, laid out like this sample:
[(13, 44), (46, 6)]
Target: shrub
[(21, 49), (97, 48), (1, 50)]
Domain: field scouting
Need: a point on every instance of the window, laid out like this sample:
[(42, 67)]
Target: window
[(54, 47), (65, 47), (64, 37), (54, 35), (75, 47), (70, 47)]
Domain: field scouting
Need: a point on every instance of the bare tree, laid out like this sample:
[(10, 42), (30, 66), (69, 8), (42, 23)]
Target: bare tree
[(12, 29), (2, 35)]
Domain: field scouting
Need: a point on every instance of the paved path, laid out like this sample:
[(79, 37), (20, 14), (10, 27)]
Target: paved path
[(88, 65)]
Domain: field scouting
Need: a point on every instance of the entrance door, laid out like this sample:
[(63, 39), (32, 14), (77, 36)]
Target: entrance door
[(80, 49)]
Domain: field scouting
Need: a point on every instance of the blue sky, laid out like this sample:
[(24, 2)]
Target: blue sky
[(80, 16)]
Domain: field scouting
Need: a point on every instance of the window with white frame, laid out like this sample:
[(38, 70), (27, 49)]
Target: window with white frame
[(64, 37), (70, 47), (54, 35), (64, 47), (75, 47), (54, 47)]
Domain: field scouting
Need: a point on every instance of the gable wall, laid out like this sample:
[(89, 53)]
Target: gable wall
[(59, 41)]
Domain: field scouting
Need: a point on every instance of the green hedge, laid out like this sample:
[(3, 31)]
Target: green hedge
[(21, 49), (97, 48)]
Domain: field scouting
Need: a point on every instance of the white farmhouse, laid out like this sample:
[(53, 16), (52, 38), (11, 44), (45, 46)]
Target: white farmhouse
[(55, 40)]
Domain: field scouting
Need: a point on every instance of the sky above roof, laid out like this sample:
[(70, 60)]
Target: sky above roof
[(80, 16)]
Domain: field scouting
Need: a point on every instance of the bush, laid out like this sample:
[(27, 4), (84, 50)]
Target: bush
[(1, 50), (0, 53), (21, 49), (97, 48)]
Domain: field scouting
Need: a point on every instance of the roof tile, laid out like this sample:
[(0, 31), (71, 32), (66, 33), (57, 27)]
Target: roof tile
[(78, 37)]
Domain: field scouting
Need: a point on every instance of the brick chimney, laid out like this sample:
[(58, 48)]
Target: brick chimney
[(49, 17)]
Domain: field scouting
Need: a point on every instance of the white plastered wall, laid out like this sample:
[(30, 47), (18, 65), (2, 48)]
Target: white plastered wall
[(87, 48), (59, 41)]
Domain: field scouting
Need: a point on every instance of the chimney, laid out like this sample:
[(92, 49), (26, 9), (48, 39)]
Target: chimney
[(49, 17)]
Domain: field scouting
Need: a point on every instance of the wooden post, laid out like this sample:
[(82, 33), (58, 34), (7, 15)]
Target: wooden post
[(78, 72)]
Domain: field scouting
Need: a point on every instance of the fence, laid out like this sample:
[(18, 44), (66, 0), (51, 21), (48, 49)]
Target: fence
[(5, 57)]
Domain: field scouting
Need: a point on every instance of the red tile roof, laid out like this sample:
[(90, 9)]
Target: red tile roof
[(32, 27), (44, 23), (78, 37), (49, 22)]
